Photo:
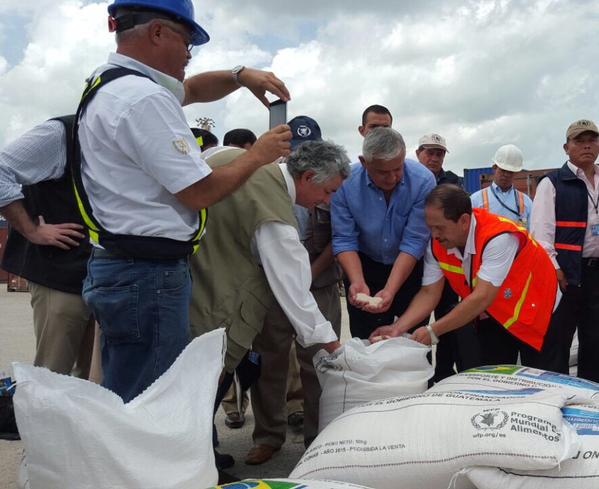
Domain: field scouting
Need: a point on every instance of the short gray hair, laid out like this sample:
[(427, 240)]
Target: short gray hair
[(383, 143), (139, 30), (326, 159)]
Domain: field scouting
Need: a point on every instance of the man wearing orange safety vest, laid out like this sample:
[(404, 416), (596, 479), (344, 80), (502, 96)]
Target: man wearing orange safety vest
[(501, 197), (495, 267)]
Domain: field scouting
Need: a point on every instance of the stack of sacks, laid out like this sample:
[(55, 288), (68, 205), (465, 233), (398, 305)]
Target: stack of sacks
[(359, 372), (579, 472), (422, 441), (287, 484), (508, 377)]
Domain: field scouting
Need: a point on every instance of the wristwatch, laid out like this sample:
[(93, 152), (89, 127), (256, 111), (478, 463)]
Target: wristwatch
[(431, 332), (236, 72)]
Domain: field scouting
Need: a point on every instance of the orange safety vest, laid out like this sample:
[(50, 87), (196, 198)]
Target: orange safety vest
[(525, 301)]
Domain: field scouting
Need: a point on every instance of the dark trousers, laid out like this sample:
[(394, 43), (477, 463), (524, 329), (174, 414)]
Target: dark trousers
[(248, 372), (499, 346), (459, 347), (362, 323), (579, 308)]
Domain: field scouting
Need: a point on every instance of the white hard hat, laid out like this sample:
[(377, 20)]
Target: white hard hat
[(509, 158)]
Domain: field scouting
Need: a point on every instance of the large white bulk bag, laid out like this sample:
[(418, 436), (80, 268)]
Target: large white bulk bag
[(360, 372), (509, 377), (421, 441), (77, 434), (579, 472), (288, 484)]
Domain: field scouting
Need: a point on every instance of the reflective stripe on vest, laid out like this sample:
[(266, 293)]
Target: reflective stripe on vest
[(571, 224), (486, 199), (522, 206), (451, 268), (519, 304), (567, 247)]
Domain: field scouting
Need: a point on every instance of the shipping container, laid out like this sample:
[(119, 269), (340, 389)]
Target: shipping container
[(526, 181), (3, 238), (472, 178)]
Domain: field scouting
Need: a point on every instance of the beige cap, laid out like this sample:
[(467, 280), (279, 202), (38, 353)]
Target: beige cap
[(578, 127), (432, 141), (509, 158)]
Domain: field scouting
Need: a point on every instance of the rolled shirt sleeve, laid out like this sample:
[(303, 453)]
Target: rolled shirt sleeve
[(344, 227), (38, 155), (432, 271), (287, 267), (416, 235)]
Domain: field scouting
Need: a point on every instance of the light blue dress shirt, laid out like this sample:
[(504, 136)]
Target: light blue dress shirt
[(363, 222)]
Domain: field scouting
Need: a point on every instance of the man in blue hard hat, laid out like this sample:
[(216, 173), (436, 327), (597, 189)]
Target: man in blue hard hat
[(143, 186)]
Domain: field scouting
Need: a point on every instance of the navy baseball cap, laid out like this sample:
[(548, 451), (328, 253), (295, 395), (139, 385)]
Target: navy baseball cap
[(303, 128)]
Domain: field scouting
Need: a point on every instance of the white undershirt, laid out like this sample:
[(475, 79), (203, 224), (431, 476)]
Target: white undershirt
[(287, 267)]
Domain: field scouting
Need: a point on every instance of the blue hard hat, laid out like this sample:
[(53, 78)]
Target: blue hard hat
[(179, 10)]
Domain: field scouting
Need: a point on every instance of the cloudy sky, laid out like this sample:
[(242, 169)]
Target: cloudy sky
[(480, 73)]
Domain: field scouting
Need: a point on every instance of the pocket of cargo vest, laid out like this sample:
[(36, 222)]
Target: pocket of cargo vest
[(249, 321)]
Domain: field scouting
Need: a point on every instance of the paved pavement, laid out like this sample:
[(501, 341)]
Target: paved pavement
[(17, 343)]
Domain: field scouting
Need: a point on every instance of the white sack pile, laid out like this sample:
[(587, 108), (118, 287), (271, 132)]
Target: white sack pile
[(78, 434), (421, 441)]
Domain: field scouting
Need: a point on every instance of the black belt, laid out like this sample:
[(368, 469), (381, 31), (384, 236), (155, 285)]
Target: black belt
[(102, 253), (111, 255), (591, 262)]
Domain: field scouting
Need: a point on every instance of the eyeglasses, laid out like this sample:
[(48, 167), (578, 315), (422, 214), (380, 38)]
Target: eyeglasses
[(185, 36)]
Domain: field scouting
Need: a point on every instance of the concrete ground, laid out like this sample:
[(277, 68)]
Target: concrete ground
[(17, 343)]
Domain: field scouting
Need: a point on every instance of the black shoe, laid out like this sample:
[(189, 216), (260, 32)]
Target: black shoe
[(223, 460), (8, 424), (295, 420), (235, 420)]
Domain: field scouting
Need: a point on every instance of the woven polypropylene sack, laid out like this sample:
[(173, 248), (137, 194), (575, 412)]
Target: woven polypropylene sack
[(509, 377), (79, 435), (578, 472), (288, 484), (423, 440), (360, 372)]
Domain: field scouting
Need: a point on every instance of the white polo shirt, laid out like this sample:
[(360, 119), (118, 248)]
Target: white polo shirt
[(137, 151)]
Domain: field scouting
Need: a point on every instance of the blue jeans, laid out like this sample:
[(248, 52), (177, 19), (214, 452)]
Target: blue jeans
[(143, 310)]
